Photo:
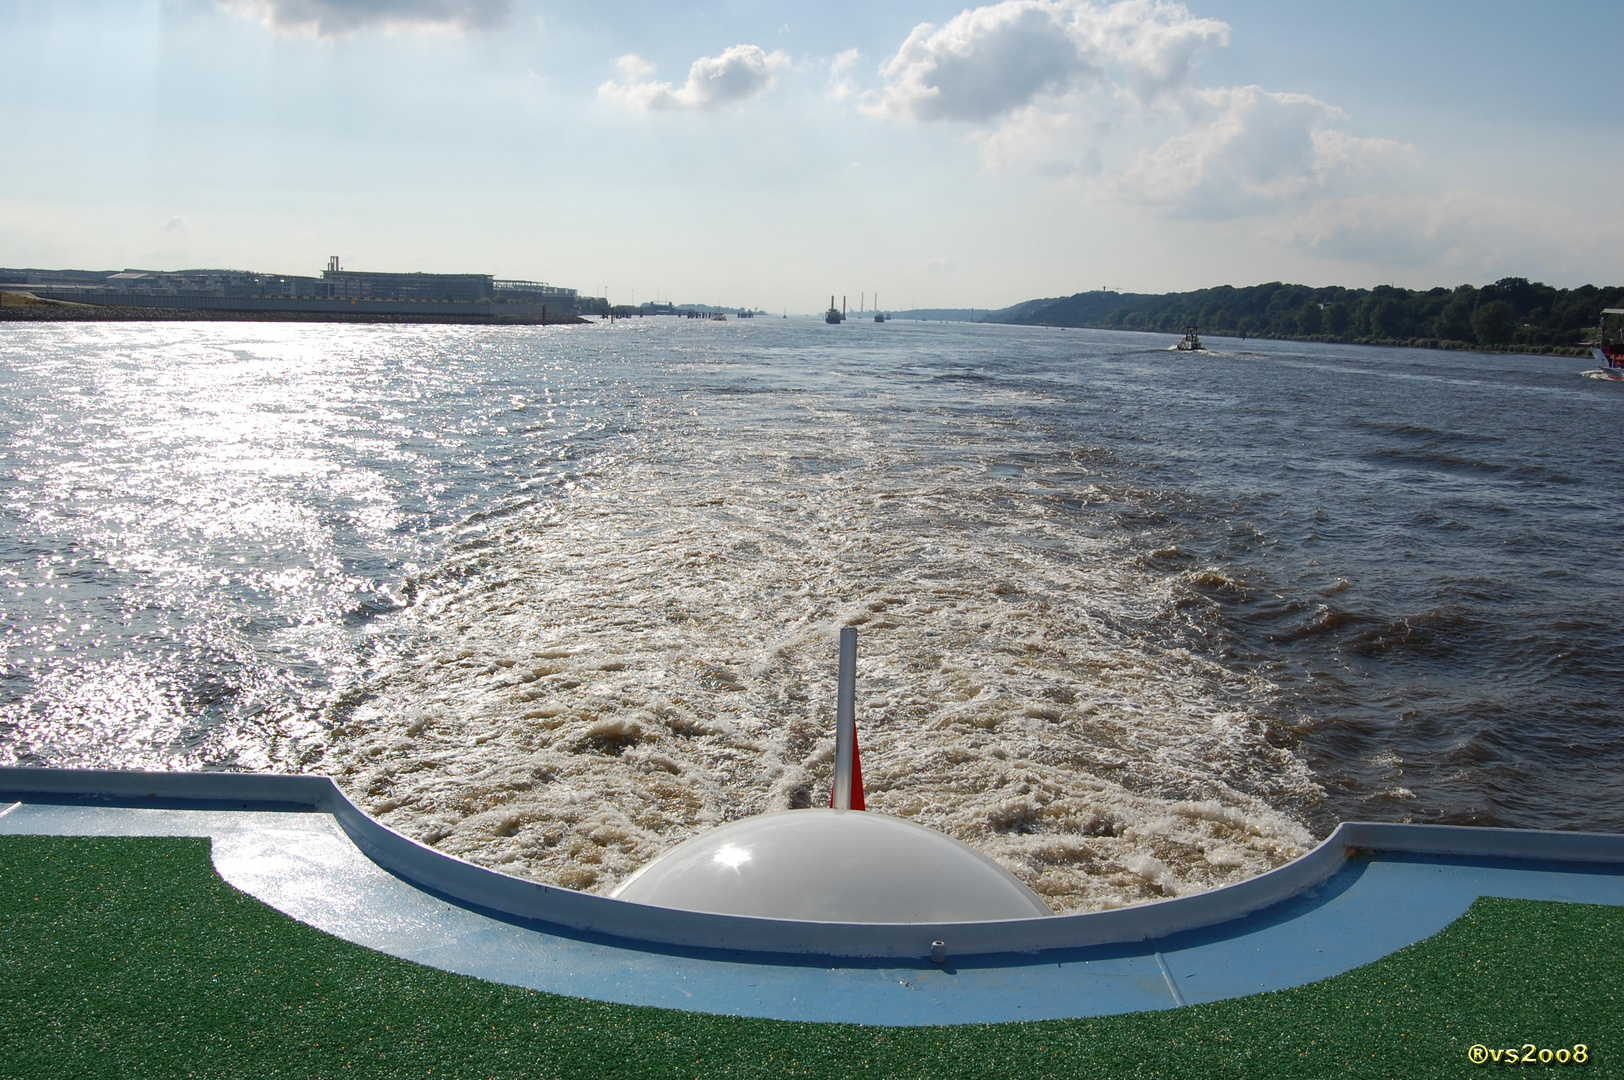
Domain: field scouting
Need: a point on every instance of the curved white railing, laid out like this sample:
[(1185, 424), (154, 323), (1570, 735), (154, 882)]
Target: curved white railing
[(642, 924)]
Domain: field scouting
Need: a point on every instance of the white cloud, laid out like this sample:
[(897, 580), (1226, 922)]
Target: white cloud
[(1152, 45), (1469, 231), (841, 85), (337, 18), (1251, 151), (1103, 97), (982, 64), (739, 74), (1059, 142), (1337, 152), (991, 61)]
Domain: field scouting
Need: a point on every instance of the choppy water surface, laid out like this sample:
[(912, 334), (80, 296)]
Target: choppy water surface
[(553, 600)]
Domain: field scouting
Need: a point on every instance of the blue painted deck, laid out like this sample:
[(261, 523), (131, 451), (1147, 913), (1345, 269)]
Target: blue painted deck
[(303, 862)]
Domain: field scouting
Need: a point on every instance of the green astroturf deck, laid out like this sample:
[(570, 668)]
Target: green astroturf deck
[(129, 957)]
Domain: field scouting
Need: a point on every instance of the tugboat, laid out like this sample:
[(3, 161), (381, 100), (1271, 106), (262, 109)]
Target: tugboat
[(879, 316), (833, 315), (1191, 343), (1609, 354)]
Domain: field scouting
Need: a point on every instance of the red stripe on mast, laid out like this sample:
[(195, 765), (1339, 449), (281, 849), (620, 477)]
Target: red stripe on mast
[(856, 778)]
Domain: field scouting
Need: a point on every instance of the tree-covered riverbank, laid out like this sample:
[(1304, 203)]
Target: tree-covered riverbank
[(1512, 314)]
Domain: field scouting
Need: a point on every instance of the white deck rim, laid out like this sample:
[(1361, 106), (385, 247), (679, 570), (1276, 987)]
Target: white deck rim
[(584, 913)]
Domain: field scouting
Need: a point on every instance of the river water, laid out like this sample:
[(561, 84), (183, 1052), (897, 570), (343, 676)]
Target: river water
[(1134, 623)]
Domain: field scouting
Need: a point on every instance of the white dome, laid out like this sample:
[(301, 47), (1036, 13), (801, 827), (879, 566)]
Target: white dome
[(832, 866)]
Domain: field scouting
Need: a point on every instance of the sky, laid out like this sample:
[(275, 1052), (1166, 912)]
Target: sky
[(774, 153)]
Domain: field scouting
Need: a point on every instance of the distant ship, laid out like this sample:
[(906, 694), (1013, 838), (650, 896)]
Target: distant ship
[(879, 316), (1191, 343), (833, 315), (1609, 354), (717, 316)]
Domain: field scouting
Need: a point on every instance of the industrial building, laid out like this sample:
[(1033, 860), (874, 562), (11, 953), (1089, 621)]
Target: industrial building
[(184, 288), (363, 285)]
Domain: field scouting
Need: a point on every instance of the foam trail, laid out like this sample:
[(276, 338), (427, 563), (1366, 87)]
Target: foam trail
[(652, 654)]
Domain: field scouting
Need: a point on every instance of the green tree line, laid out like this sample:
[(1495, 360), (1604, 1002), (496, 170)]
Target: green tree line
[(1511, 313)]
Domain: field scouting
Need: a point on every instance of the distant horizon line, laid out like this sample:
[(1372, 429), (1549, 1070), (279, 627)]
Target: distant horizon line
[(917, 310)]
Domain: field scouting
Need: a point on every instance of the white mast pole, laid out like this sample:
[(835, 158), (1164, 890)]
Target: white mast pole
[(845, 717)]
